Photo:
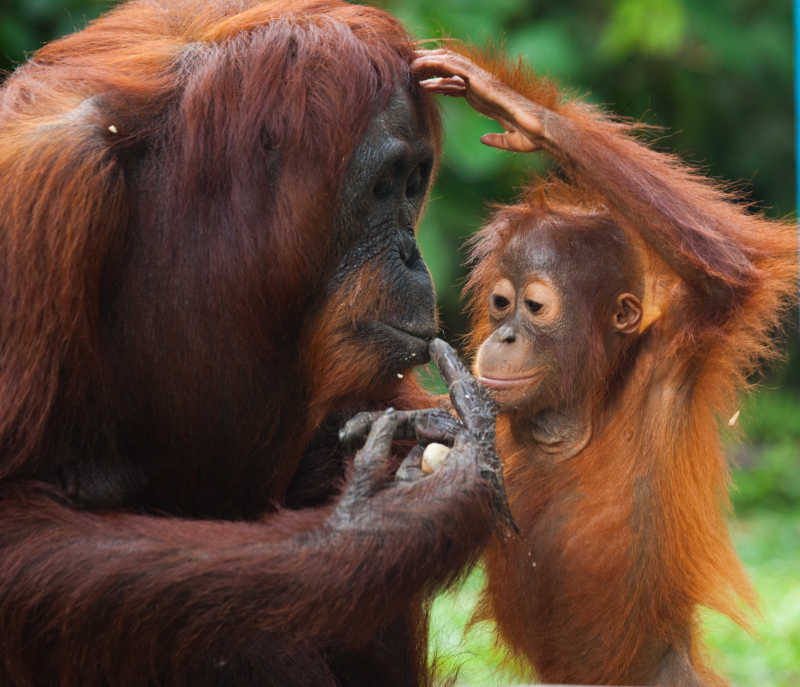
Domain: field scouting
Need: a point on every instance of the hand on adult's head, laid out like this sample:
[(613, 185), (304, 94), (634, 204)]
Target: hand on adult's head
[(445, 72)]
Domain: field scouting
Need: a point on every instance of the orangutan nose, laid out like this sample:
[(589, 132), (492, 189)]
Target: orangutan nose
[(506, 334)]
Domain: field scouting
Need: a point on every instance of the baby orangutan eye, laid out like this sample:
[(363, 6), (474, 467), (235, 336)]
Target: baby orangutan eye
[(541, 300), (533, 306), (501, 297)]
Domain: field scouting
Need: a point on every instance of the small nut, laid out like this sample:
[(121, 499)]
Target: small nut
[(433, 457)]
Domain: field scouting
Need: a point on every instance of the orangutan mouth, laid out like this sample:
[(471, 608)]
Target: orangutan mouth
[(500, 383)]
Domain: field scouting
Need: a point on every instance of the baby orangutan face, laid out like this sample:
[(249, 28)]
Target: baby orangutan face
[(517, 361), (560, 312)]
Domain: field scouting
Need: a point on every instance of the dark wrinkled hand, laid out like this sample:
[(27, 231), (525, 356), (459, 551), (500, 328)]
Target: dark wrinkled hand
[(478, 413), (424, 426), (373, 467), (472, 439)]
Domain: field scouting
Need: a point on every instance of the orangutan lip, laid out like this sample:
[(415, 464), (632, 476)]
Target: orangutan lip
[(422, 336), (506, 382), (411, 347)]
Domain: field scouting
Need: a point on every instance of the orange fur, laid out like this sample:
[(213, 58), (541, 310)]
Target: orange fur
[(622, 543)]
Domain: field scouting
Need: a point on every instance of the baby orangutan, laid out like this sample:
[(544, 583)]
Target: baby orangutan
[(615, 318)]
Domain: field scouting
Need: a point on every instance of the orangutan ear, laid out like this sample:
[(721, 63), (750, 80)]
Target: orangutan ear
[(628, 315)]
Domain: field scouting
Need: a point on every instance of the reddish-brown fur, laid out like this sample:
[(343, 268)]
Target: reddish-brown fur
[(622, 543), (140, 58), (195, 351)]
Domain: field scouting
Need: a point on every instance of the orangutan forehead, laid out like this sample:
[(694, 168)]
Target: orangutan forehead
[(397, 129), (531, 253), (400, 117), (591, 250)]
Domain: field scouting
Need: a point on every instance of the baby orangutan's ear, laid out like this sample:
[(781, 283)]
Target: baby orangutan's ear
[(628, 315)]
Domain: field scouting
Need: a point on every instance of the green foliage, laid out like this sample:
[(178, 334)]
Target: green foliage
[(27, 24), (771, 481), (767, 543), (768, 463), (647, 27), (478, 661), (772, 414)]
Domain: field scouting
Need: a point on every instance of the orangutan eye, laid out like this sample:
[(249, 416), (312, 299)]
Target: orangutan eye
[(501, 297), (533, 306), (418, 180), (500, 302)]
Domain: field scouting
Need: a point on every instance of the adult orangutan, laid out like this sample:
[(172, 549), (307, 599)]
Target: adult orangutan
[(207, 260), (615, 319)]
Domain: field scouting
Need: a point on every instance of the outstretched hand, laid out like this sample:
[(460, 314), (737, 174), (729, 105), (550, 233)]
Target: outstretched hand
[(448, 73)]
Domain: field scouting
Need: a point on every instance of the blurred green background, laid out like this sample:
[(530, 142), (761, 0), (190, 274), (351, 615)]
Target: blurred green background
[(717, 74)]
